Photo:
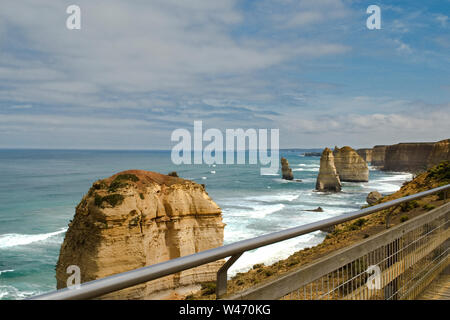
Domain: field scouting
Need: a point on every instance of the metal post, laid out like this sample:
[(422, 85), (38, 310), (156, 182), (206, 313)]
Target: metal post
[(221, 282)]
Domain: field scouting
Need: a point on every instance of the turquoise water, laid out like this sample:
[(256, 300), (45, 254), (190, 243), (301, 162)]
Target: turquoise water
[(39, 190)]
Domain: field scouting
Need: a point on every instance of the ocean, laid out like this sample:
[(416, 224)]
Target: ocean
[(39, 190)]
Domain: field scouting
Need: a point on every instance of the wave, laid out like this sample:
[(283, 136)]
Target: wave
[(4, 271), (257, 211), (15, 239), (10, 292), (275, 252), (274, 197), (308, 165), (314, 169)]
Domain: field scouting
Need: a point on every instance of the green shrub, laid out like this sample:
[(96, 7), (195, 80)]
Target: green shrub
[(440, 172), (429, 207), (268, 273), (114, 199), (208, 288), (98, 200), (404, 218), (121, 181), (407, 206)]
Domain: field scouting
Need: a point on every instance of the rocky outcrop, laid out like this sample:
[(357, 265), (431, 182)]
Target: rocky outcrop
[(138, 218), (373, 197), (366, 154), (378, 154), (286, 171), (328, 179), (350, 166), (416, 157)]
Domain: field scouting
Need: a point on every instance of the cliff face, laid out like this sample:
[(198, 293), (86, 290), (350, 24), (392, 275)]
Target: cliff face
[(138, 218), (416, 157), (366, 154), (328, 179), (286, 171), (378, 154), (350, 166), (440, 152)]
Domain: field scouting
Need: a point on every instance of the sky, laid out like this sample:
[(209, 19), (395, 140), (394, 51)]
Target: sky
[(138, 70)]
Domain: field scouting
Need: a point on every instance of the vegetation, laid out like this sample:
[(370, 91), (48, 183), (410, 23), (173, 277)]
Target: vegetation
[(173, 174), (112, 199), (440, 172), (407, 206), (121, 181), (403, 219), (208, 288)]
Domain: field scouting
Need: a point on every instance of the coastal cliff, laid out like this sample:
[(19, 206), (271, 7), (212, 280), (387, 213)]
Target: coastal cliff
[(349, 165), (328, 179), (378, 154), (138, 218), (366, 154), (416, 157)]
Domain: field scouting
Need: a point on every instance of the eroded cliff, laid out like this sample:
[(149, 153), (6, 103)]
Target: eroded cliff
[(138, 218), (416, 157), (349, 165)]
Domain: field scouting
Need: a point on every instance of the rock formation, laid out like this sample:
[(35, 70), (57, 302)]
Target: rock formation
[(350, 166), (378, 154), (416, 157), (286, 172), (328, 179), (138, 218), (373, 197), (318, 209), (366, 154)]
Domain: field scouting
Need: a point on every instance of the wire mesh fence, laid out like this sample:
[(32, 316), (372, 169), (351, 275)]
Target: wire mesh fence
[(400, 269)]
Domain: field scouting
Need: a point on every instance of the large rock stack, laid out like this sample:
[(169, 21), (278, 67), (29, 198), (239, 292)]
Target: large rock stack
[(350, 166), (286, 171), (328, 179), (139, 218)]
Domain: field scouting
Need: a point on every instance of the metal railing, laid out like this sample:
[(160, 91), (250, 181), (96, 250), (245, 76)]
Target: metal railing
[(397, 263), (96, 288)]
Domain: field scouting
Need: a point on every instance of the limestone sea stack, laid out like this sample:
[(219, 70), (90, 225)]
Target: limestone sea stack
[(138, 218), (286, 171), (349, 165), (328, 179)]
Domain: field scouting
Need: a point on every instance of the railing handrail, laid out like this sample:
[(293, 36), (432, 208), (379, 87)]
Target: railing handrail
[(134, 277)]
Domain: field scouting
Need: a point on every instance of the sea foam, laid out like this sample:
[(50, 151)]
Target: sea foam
[(14, 239)]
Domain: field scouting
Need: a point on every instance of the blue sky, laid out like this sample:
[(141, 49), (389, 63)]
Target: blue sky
[(137, 70)]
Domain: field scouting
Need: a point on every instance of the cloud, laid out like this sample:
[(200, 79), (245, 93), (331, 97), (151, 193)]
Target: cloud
[(442, 19)]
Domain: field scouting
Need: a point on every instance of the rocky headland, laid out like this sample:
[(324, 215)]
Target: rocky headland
[(416, 157), (138, 218)]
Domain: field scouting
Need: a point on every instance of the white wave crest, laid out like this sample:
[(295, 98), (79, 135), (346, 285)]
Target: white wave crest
[(14, 239)]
